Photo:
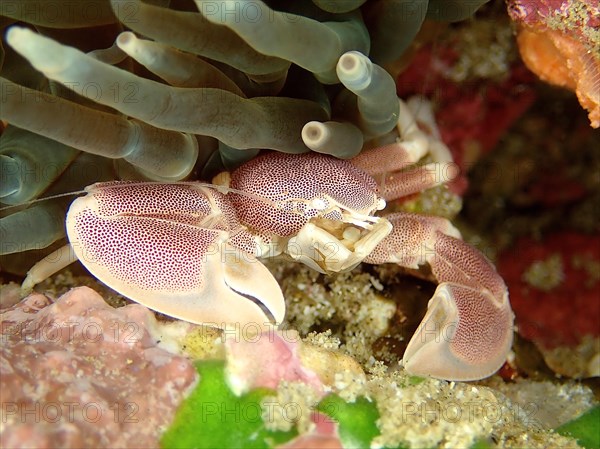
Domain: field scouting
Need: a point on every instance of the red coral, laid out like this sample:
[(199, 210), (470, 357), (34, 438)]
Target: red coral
[(556, 188), (561, 315)]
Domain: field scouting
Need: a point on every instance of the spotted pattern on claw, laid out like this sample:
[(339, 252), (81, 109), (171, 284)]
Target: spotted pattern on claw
[(485, 324), (317, 178), (411, 241), (481, 328), (457, 263), (183, 203), (133, 228), (130, 247)]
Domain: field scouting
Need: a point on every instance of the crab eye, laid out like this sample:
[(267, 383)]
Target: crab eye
[(318, 204)]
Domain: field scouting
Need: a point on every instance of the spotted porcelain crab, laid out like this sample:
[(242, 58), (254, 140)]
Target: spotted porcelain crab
[(193, 250)]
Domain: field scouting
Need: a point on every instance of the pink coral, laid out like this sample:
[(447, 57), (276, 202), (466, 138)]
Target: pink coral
[(266, 359), (78, 373)]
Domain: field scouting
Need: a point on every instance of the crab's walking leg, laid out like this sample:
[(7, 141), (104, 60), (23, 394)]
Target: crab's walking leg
[(387, 160), (398, 185), (49, 265), (467, 331)]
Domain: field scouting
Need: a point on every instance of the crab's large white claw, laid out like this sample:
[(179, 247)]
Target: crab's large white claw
[(465, 335), (467, 331), (246, 276), (161, 259)]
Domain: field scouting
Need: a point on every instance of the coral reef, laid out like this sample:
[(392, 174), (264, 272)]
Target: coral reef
[(172, 90), (534, 198), (541, 276), (258, 390), (78, 373), (480, 89)]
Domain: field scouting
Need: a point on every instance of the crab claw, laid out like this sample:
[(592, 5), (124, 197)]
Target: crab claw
[(467, 331), (138, 241)]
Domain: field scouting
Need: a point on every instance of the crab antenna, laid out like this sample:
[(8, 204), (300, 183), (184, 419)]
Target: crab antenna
[(40, 200), (38, 159)]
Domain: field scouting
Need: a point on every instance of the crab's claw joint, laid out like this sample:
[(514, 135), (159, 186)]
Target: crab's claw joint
[(467, 331), (135, 241)]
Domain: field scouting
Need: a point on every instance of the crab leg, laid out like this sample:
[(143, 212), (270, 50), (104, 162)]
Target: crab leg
[(467, 331), (399, 185), (412, 144), (48, 266)]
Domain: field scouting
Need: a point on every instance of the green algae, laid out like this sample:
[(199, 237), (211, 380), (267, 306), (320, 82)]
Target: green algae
[(357, 420), (481, 444), (415, 380), (585, 429), (213, 416)]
